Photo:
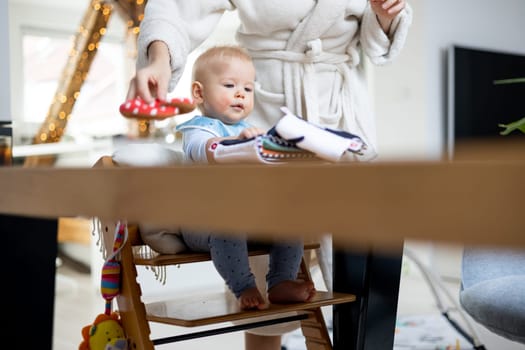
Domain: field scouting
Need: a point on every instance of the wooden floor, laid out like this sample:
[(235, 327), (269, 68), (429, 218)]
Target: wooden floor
[(77, 303)]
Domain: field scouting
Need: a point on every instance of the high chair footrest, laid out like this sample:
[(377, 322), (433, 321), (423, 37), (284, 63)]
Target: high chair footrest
[(202, 310), (230, 329)]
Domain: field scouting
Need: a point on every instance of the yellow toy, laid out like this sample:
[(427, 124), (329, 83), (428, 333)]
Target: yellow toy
[(105, 333)]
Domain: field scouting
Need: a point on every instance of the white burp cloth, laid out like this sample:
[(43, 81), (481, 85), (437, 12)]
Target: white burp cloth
[(326, 144)]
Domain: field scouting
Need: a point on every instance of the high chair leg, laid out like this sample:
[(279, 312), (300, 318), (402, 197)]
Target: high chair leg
[(314, 327), (131, 308)]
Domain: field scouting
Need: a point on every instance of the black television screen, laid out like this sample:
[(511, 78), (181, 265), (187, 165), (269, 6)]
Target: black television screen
[(486, 89)]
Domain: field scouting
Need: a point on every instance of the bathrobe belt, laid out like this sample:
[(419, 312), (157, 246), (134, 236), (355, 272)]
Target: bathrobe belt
[(299, 78)]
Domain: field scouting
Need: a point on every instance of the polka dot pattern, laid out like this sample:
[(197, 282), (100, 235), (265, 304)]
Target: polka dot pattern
[(158, 109)]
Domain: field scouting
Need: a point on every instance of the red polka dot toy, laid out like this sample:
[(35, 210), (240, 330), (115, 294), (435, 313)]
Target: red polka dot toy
[(158, 109)]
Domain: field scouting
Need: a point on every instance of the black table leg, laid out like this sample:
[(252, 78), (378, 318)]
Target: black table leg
[(29, 255), (368, 323)]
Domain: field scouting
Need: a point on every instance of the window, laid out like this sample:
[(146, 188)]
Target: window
[(95, 112)]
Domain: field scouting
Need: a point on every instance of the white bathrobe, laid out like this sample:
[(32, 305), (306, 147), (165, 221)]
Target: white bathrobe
[(307, 55)]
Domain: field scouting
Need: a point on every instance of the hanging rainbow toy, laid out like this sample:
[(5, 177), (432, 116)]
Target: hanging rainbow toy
[(110, 280), (106, 332)]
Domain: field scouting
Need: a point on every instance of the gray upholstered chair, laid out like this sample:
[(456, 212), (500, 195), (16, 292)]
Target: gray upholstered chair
[(493, 290)]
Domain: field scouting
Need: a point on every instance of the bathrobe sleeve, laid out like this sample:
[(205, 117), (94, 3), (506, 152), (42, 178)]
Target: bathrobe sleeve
[(182, 25), (377, 45)]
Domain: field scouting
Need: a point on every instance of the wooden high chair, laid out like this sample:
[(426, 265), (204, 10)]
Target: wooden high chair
[(189, 312)]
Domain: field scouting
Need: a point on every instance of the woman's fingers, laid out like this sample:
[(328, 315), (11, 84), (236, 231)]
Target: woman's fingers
[(132, 90), (393, 6)]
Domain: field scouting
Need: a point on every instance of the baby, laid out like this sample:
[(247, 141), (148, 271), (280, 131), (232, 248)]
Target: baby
[(223, 88)]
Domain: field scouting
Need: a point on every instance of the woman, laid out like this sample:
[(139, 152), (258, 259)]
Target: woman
[(308, 56)]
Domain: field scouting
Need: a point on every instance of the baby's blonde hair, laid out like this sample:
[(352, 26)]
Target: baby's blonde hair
[(217, 54)]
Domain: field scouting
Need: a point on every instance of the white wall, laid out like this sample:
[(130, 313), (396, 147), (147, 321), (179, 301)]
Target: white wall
[(410, 94), (5, 95), (399, 96), (482, 24)]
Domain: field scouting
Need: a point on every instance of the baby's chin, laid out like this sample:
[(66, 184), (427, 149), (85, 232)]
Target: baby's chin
[(232, 119)]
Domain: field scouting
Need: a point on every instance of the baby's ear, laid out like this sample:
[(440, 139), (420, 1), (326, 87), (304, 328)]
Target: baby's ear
[(196, 92)]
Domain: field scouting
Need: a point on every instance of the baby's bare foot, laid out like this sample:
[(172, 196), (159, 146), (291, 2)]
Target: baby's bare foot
[(291, 291), (251, 298)]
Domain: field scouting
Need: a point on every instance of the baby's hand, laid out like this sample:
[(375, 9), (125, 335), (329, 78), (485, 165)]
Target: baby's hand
[(250, 132), (386, 11)]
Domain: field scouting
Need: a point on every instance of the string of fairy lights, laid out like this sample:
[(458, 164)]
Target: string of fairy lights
[(86, 43)]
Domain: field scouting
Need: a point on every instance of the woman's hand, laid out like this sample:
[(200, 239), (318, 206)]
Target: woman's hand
[(386, 11), (152, 81)]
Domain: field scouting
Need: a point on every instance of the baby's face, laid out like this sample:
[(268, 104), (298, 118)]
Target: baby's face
[(227, 91)]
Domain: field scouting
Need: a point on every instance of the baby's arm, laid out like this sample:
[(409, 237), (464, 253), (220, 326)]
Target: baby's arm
[(246, 133), (194, 144)]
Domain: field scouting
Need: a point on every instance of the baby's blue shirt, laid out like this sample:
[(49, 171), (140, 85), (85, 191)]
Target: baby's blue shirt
[(214, 126)]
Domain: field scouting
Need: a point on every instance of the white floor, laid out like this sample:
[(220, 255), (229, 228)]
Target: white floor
[(78, 302)]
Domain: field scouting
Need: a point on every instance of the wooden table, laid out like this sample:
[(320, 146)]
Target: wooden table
[(381, 203), (369, 208)]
